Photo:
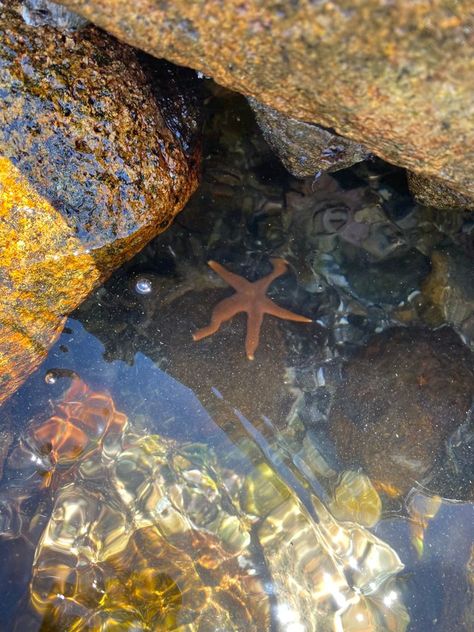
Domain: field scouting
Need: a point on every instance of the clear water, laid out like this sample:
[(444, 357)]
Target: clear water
[(151, 482)]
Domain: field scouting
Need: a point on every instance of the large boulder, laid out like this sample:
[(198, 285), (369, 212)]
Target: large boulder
[(95, 159), (395, 76)]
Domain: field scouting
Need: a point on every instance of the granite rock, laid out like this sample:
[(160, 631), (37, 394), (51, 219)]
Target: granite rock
[(395, 76), (93, 164), (306, 149)]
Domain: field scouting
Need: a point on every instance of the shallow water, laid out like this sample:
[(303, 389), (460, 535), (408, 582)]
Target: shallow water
[(151, 482)]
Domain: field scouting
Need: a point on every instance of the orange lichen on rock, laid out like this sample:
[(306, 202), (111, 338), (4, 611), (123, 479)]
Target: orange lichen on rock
[(98, 153), (44, 273)]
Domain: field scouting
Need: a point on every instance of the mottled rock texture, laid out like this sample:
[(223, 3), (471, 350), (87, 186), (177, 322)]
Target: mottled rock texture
[(41, 12), (397, 76), (304, 148), (92, 166), (400, 399), (435, 192)]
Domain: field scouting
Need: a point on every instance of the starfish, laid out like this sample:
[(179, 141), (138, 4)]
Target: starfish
[(250, 298)]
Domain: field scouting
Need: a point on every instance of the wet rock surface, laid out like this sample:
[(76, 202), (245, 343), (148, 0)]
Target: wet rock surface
[(400, 399), (92, 165), (394, 76), (306, 149), (434, 192), (82, 123), (41, 12)]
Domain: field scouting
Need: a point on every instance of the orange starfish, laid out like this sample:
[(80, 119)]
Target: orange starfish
[(250, 298)]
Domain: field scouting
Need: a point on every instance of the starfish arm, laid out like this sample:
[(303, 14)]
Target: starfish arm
[(222, 312), (234, 280), (269, 307), (279, 268), (254, 323)]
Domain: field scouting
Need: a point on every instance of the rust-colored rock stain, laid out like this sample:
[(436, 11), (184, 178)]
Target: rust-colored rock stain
[(44, 272), (95, 160)]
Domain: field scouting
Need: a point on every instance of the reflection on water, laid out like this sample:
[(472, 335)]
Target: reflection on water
[(150, 482), (147, 532)]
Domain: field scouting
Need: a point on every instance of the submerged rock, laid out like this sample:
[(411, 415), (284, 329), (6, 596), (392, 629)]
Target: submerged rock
[(311, 561), (323, 213), (401, 397), (140, 531), (394, 76), (355, 498), (388, 282), (94, 162), (448, 292)]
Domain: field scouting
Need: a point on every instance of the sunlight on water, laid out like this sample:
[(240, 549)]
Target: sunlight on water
[(153, 482)]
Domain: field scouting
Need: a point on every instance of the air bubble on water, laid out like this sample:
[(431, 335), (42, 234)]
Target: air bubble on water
[(143, 285), (50, 377)]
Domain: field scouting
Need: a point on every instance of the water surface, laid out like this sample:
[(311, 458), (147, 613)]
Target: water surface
[(151, 482)]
